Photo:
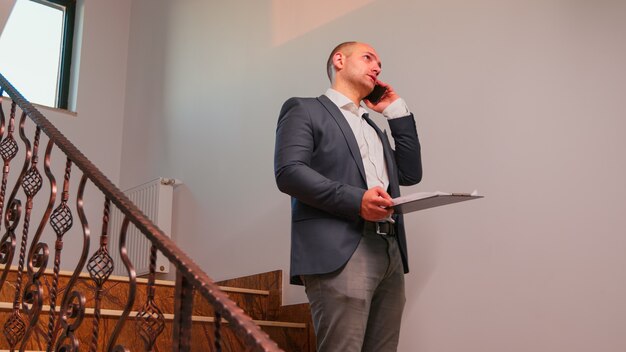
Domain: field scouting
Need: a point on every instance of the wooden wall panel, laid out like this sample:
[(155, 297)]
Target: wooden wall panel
[(262, 307)]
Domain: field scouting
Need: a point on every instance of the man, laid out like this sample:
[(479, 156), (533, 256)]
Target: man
[(347, 246)]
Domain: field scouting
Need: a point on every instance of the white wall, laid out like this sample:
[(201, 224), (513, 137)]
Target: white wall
[(520, 99), (97, 125), (96, 128)]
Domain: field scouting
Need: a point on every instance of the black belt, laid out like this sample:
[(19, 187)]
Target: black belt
[(383, 228)]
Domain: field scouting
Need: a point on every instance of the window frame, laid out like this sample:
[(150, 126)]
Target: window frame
[(65, 53), (67, 45)]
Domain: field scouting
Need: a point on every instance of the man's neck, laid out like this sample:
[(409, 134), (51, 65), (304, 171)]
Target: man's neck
[(348, 91)]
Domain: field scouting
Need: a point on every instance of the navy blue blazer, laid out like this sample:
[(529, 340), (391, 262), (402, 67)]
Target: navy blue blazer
[(318, 163)]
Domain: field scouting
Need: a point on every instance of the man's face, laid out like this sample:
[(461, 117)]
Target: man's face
[(361, 67)]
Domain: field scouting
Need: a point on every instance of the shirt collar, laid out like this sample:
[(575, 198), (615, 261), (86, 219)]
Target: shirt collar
[(344, 102)]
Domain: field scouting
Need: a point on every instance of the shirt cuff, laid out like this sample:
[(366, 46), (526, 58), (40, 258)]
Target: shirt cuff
[(396, 109)]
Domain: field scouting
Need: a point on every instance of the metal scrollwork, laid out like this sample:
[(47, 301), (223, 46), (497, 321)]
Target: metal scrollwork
[(33, 293), (8, 242), (72, 316), (7, 249), (150, 319), (8, 151), (100, 267), (28, 295), (32, 299), (132, 288), (15, 327), (73, 307), (61, 221)]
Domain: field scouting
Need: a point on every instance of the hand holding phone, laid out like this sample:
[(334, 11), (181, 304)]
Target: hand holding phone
[(376, 94), (381, 97)]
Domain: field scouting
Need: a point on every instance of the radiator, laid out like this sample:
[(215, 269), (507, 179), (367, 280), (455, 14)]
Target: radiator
[(154, 199)]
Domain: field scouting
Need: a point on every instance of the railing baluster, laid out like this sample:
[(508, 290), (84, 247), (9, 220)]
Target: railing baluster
[(73, 307), (13, 327), (2, 119), (183, 308), (218, 332), (132, 282), (100, 267), (38, 254), (31, 182), (61, 221), (8, 151), (150, 319)]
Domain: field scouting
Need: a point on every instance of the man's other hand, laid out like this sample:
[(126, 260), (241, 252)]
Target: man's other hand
[(376, 204)]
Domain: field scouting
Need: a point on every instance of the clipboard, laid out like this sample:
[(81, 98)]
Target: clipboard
[(426, 200)]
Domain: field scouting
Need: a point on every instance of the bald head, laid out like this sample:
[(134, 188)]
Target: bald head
[(353, 69)]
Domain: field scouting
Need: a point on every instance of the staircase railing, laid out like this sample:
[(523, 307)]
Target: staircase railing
[(28, 315)]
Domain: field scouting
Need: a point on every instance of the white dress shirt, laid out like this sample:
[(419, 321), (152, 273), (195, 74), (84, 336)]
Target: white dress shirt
[(370, 145)]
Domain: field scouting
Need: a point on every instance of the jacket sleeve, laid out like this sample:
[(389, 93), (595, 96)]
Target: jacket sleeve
[(295, 143), (407, 150)]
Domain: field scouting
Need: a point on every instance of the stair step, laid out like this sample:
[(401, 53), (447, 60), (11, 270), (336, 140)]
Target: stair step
[(142, 280), (253, 301), (113, 313)]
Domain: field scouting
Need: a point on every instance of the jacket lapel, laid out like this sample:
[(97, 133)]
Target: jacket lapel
[(347, 132)]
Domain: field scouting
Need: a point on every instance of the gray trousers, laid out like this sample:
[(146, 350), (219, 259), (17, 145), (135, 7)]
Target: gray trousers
[(359, 307)]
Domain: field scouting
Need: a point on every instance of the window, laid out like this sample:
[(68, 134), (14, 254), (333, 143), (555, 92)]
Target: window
[(36, 50)]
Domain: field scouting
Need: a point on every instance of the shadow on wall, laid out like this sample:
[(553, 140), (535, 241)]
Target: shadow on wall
[(6, 6)]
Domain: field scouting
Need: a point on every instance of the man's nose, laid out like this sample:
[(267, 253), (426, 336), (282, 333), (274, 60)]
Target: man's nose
[(376, 70)]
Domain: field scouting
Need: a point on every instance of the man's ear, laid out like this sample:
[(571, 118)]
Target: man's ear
[(338, 61)]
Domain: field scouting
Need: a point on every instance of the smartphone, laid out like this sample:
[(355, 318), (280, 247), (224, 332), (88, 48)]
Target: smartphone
[(376, 94)]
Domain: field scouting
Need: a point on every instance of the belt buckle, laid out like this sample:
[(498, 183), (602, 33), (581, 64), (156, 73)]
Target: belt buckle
[(379, 232)]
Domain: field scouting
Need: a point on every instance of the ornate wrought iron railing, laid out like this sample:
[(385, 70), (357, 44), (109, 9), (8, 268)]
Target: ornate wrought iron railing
[(28, 313)]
